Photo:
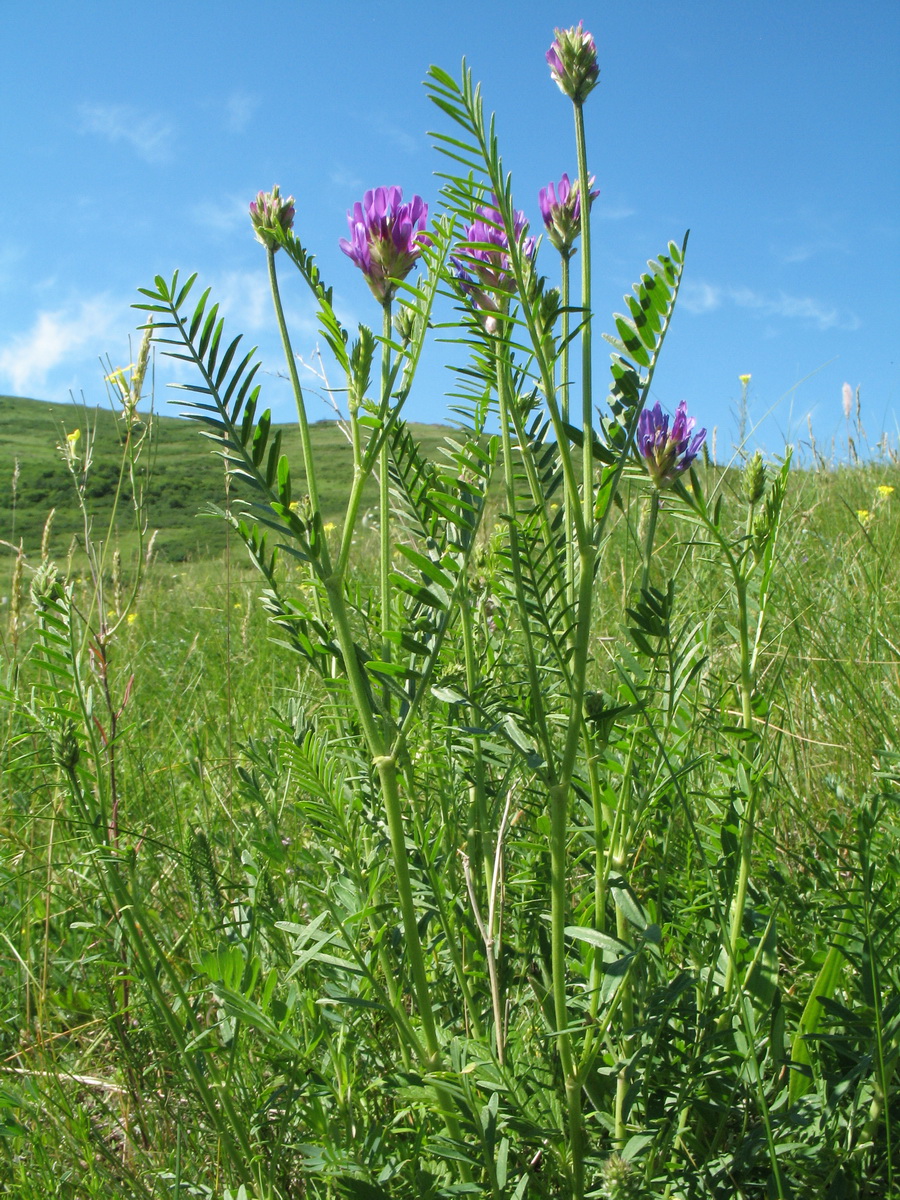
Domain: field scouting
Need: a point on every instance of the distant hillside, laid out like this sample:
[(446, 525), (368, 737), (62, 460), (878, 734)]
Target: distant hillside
[(182, 475)]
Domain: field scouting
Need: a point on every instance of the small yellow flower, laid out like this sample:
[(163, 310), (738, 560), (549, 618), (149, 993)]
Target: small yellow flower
[(330, 526), (117, 379), (745, 379), (111, 614), (132, 617), (74, 437), (864, 516), (884, 490)]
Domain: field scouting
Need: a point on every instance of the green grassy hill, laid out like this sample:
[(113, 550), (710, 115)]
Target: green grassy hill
[(182, 475)]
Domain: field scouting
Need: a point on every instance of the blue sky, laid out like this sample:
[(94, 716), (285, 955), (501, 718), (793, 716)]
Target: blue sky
[(134, 137)]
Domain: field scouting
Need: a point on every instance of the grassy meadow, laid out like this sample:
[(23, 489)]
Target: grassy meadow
[(179, 477), (506, 809), (245, 865)]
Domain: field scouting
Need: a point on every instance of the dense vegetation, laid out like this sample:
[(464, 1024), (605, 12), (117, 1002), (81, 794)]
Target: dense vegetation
[(179, 479), (232, 791), (523, 823)]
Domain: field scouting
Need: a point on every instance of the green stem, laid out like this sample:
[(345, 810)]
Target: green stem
[(651, 535), (565, 299), (481, 842), (384, 499), (306, 444), (587, 414), (558, 799)]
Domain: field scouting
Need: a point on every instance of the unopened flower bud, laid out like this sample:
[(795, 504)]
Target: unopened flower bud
[(754, 478), (45, 584), (64, 745), (620, 1180), (573, 63), (404, 323), (271, 211)]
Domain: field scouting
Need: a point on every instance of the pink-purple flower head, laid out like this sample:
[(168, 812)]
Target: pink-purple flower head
[(560, 206), (483, 266), (271, 211), (573, 63), (667, 453), (386, 238)]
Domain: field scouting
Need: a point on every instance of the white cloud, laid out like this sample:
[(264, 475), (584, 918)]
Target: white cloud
[(243, 298), (226, 216), (699, 297), (390, 131), (346, 180), (27, 359), (605, 212), (239, 110), (147, 133)]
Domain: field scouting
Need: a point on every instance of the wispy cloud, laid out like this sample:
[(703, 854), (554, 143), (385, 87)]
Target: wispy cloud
[(239, 110), (149, 134), (56, 337), (699, 297), (391, 131), (11, 255), (804, 251), (604, 212), (346, 180), (243, 297), (225, 215)]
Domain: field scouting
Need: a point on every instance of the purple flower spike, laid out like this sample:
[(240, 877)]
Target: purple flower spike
[(667, 454), (271, 210), (386, 238), (561, 209), (483, 266), (573, 63)]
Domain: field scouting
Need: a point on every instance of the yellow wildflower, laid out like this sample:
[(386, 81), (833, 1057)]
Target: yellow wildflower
[(117, 379), (132, 617), (745, 379), (884, 490), (69, 448), (863, 516), (329, 526)]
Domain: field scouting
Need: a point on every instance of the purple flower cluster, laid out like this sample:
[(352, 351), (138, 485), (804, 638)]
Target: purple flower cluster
[(573, 63), (561, 209), (271, 210), (386, 238), (667, 454), (483, 266)]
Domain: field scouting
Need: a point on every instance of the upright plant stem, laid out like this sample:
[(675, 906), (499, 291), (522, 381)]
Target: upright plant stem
[(308, 461), (587, 395), (482, 845), (384, 496), (558, 803), (748, 825), (651, 536), (565, 298)]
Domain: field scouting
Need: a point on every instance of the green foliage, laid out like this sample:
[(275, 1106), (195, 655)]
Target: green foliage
[(518, 839), (180, 481)]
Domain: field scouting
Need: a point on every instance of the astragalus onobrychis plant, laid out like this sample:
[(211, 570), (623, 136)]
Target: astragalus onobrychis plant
[(523, 941)]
